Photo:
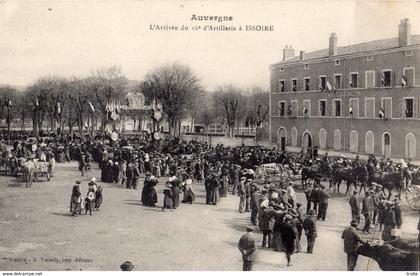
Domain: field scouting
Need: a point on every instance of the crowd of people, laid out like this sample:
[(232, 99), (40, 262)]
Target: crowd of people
[(274, 208)]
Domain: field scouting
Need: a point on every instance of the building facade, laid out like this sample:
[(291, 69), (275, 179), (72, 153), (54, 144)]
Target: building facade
[(361, 98)]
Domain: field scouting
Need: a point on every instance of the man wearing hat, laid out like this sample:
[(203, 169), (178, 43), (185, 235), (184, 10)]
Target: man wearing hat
[(76, 200), (254, 204), (323, 203), (309, 226), (248, 247), (367, 211), (351, 243), (135, 175), (127, 266), (355, 207)]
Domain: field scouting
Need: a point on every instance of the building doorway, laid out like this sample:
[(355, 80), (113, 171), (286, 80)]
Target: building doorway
[(281, 139), (306, 141), (386, 145), (410, 146)]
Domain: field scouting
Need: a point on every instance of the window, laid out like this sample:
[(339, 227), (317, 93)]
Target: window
[(369, 58), (322, 82), (337, 81), (386, 106), (293, 108), (306, 66), (408, 53), (386, 78), (337, 108), (281, 86), (322, 108), (354, 107), (370, 107), (370, 79), (307, 108), (294, 84), (306, 83), (407, 78), (353, 80), (409, 108), (337, 62), (282, 106)]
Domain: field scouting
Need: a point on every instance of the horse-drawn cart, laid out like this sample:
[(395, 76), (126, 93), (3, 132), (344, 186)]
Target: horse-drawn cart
[(41, 170), (413, 197), (274, 173)]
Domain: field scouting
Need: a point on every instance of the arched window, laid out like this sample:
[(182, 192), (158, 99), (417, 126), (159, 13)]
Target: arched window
[(386, 145), (282, 138), (410, 146), (322, 138), (294, 137), (369, 142), (354, 141), (337, 139)]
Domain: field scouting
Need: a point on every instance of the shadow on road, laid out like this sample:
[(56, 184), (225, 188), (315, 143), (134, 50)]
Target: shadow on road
[(61, 214), (238, 224)]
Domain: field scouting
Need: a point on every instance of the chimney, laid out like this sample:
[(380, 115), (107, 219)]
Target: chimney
[(404, 33), (301, 55), (333, 45), (288, 53)]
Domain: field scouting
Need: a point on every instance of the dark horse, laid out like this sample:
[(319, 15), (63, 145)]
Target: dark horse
[(389, 181), (316, 173), (390, 257)]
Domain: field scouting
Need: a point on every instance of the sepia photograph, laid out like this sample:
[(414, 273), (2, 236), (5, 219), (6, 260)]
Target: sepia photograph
[(196, 135)]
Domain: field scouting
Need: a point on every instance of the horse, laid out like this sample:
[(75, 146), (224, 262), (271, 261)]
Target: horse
[(29, 170), (388, 180), (341, 174), (361, 173), (391, 258)]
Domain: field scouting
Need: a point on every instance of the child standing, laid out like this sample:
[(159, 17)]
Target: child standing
[(167, 201), (89, 201)]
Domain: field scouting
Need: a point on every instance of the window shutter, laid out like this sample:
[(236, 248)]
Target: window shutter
[(415, 108), (418, 105), (359, 80), (393, 78), (402, 111)]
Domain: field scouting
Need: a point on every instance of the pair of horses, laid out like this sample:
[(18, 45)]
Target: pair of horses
[(362, 174)]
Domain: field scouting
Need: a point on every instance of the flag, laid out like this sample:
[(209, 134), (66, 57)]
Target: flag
[(321, 88), (404, 81), (91, 106), (334, 90), (350, 83), (381, 113), (329, 86), (289, 112), (383, 79), (350, 110), (58, 108)]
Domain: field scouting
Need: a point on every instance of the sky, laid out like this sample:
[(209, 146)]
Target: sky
[(73, 38)]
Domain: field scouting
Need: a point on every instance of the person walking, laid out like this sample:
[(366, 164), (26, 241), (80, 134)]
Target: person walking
[(135, 175), (76, 200), (255, 197), (248, 247), (351, 243), (309, 226)]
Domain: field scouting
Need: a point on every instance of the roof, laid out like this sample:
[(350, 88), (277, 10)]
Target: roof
[(375, 45)]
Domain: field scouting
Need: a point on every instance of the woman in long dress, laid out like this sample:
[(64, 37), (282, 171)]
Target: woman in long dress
[(76, 200)]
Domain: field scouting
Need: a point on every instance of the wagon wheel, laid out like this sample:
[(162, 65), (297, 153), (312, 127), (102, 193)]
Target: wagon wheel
[(48, 176), (413, 197)]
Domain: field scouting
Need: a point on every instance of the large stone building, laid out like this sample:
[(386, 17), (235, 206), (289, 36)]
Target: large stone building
[(360, 98)]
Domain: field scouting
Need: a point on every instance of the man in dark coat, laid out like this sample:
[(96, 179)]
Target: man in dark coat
[(288, 235), (397, 212), (129, 174), (367, 211), (242, 194), (266, 224), (355, 207), (175, 188), (136, 175), (313, 197), (309, 226), (248, 247), (389, 221), (322, 197), (351, 243), (255, 197)]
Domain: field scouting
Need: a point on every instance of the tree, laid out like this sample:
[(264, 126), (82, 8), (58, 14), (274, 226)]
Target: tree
[(105, 85), (257, 107), (228, 99), (176, 87)]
